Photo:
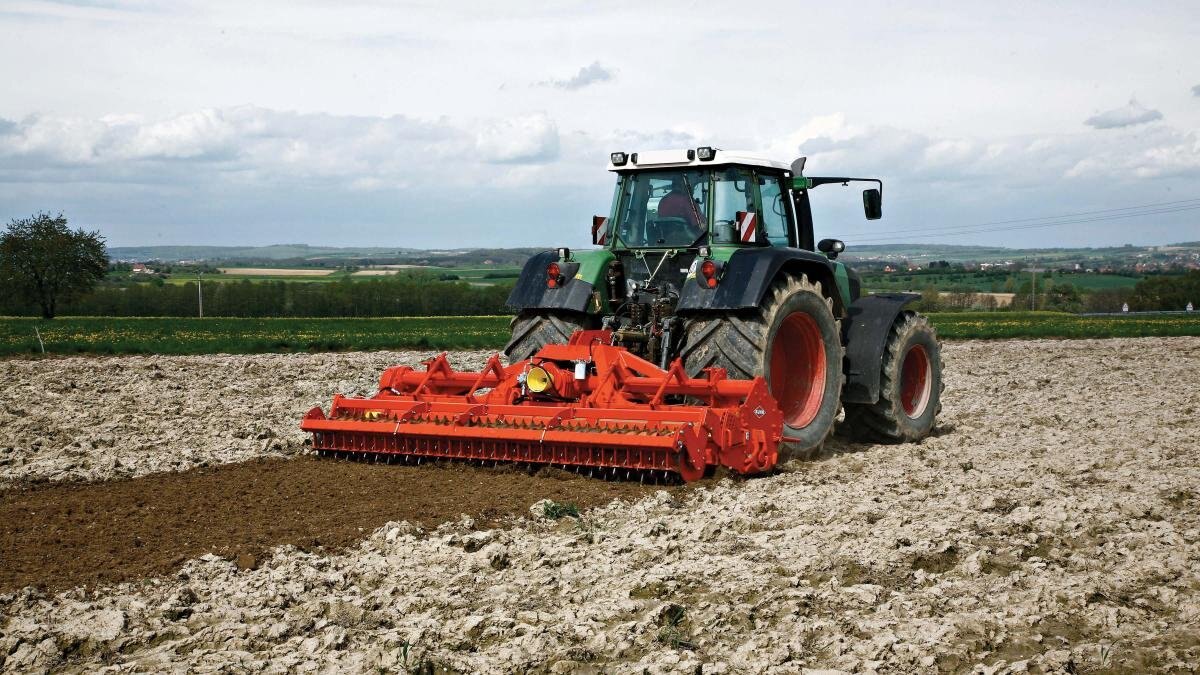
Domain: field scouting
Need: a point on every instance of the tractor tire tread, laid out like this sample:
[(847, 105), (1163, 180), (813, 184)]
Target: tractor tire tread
[(532, 330), (737, 342), (882, 421)]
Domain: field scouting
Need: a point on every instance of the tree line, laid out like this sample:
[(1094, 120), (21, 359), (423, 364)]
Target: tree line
[(46, 268), (261, 299), (1152, 294)]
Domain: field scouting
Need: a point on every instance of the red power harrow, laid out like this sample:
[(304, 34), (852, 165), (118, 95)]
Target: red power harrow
[(585, 405)]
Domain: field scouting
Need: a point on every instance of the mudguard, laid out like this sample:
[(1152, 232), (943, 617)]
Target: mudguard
[(583, 274), (750, 272), (865, 332)]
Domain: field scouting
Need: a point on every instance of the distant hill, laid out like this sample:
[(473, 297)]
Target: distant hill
[(273, 252), (960, 253), (325, 256), (303, 255)]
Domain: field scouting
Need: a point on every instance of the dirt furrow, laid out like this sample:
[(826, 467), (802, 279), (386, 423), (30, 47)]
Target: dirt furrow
[(61, 536)]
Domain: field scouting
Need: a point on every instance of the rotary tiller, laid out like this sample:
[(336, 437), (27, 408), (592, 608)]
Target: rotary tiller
[(586, 405)]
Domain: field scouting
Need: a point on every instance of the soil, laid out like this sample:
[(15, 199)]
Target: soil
[(1051, 524), (89, 419), (61, 536)]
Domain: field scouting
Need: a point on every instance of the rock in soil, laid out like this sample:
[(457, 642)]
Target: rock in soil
[(1052, 524)]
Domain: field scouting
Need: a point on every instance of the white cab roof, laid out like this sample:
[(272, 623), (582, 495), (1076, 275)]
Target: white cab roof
[(663, 159)]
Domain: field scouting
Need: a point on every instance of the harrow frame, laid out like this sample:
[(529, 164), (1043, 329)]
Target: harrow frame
[(606, 409)]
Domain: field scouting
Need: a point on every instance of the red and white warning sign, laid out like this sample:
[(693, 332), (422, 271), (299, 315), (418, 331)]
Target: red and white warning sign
[(746, 226), (599, 229)]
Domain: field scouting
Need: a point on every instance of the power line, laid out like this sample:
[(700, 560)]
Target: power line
[(1189, 202), (1036, 225)]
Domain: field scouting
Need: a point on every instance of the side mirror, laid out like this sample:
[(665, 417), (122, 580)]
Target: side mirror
[(831, 247), (873, 203), (599, 230)]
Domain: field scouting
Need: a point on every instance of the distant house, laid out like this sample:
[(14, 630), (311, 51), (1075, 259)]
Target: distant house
[(140, 268)]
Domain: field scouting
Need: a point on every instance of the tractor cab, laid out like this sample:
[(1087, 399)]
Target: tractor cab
[(705, 197)]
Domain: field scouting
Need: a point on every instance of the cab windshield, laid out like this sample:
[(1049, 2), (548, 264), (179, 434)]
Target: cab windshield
[(662, 209), (676, 208)]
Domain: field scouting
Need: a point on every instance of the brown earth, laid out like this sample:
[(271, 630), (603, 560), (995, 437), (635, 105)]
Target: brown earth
[(61, 536), (1052, 524)]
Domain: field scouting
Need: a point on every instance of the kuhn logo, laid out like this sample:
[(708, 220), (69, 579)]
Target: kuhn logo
[(759, 412)]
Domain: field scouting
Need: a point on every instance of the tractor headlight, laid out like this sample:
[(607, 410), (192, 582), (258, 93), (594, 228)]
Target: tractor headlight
[(706, 153), (618, 158), (538, 380)]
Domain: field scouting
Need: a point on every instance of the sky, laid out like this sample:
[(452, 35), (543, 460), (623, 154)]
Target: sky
[(438, 125)]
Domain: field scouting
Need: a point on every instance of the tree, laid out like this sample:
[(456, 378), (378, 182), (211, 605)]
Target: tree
[(48, 263), (1167, 292), (1063, 297)]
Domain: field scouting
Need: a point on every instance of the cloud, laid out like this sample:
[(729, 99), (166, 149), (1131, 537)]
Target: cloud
[(521, 140), (834, 146), (1128, 115), (250, 144), (587, 75), (251, 174), (1196, 90)]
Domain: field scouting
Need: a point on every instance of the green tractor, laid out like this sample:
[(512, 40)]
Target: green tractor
[(708, 256)]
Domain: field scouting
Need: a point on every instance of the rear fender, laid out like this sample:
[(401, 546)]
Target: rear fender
[(585, 273), (866, 333), (750, 272)]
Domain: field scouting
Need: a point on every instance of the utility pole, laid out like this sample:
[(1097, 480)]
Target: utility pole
[(200, 291), (1033, 294)]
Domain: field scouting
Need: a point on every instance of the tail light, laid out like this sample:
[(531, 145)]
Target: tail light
[(709, 271), (554, 275)]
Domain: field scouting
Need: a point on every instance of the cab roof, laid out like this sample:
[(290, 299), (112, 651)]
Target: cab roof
[(668, 159)]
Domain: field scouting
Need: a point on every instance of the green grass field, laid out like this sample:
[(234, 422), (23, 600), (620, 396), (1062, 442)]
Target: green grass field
[(988, 283), (91, 335), (1003, 325), (483, 275), (122, 335)]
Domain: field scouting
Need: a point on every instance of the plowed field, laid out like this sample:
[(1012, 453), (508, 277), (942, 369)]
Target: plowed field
[(1051, 524)]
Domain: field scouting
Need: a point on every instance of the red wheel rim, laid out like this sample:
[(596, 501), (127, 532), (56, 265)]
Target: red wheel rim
[(916, 378), (798, 369)]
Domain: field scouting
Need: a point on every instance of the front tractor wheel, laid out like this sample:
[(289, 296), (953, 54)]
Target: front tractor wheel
[(910, 387), (793, 341), (532, 330)]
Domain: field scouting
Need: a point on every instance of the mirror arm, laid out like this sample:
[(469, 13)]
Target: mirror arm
[(814, 181)]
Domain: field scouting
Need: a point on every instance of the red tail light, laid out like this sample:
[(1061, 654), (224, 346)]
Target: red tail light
[(554, 277), (708, 270)]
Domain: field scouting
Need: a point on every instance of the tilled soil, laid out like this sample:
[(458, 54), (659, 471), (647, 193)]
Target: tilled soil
[(82, 418), (61, 536), (1052, 524)]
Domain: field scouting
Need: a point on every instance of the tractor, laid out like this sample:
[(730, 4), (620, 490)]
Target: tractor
[(705, 329), (708, 256)]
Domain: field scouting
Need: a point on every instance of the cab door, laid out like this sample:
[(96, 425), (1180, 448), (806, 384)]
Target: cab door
[(773, 210)]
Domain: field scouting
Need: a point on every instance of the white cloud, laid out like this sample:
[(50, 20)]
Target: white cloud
[(1196, 90), (839, 148), (590, 74), (527, 139), (228, 168), (247, 142), (1127, 115)]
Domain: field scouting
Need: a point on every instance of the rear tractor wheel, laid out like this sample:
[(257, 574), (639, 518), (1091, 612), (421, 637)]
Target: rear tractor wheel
[(793, 341), (532, 330), (910, 387)]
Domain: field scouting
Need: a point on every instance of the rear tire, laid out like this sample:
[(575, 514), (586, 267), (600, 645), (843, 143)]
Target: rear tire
[(793, 341), (531, 330), (910, 387)]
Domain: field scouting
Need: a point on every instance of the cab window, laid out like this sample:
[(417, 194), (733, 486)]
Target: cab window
[(662, 208), (732, 192), (774, 212)]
